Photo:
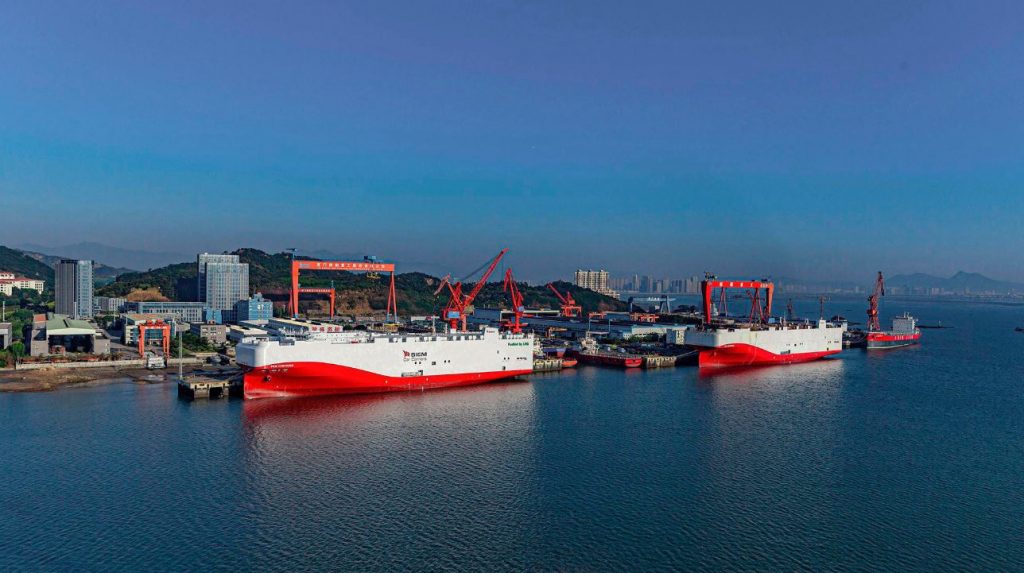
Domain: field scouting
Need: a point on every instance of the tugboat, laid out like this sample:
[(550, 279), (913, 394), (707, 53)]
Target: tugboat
[(589, 353), (904, 328)]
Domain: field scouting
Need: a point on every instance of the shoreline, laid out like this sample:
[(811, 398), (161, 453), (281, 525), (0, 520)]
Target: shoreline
[(50, 380)]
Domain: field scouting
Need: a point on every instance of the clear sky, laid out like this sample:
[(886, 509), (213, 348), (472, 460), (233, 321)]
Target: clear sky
[(819, 139)]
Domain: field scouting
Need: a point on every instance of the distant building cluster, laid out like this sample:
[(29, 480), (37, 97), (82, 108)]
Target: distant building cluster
[(596, 281), (649, 284)]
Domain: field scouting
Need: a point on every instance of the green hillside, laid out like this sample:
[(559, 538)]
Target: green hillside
[(270, 273), (17, 262)]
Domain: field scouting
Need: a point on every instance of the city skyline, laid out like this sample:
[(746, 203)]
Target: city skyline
[(786, 141)]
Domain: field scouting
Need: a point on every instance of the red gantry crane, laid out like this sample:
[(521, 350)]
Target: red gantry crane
[(570, 309), (758, 311), (873, 325), (367, 265), (516, 297), (455, 312)]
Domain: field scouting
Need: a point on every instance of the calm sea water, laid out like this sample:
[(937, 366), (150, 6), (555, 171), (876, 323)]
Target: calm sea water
[(907, 460)]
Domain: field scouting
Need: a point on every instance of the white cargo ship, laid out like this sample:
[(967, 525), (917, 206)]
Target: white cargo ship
[(317, 359), (750, 344), (760, 339)]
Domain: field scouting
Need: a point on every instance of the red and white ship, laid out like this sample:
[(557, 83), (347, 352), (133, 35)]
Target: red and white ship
[(904, 328), (904, 333), (759, 340), (324, 360)]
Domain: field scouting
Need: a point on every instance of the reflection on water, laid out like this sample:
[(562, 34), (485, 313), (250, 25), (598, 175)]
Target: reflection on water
[(904, 460), (382, 471)]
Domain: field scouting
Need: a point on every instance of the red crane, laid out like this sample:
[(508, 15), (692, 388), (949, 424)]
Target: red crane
[(455, 312), (758, 310), (569, 307), (873, 325), (510, 286)]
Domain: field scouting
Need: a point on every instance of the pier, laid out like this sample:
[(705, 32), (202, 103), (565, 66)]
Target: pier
[(203, 387), (547, 364), (659, 361)]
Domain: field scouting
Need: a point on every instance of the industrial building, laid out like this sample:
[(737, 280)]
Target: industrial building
[(6, 335), (73, 288), (212, 333), (183, 311), (255, 308), (10, 281), (237, 333), (222, 280), (57, 334), (108, 304)]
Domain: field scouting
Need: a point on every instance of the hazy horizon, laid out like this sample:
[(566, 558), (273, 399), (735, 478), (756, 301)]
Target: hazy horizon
[(803, 140)]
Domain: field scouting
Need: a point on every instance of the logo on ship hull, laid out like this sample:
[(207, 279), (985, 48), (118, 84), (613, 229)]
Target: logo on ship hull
[(407, 356)]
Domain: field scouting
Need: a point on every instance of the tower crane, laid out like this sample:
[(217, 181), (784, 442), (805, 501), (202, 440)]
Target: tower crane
[(455, 312), (873, 304), (569, 307), (510, 286)]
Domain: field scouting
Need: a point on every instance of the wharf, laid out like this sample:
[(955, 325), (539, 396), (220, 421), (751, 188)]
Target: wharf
[(198, 387), (547, 364), (659, 361)]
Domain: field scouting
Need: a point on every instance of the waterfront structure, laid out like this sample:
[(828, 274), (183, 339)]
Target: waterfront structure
[(10, 281), (212, 333), (255, 308), (73, 288), (58, 334), (108, 304), (596, 281), (222, 280), (184, 311)]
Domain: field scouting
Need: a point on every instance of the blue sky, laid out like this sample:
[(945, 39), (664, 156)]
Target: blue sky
[(668, 138)]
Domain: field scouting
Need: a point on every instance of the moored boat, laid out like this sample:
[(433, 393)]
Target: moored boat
[(905, 332), (318, 361)]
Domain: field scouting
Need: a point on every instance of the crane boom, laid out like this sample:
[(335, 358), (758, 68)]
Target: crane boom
[(455, 312), (510, 286), (483, 279), (873, 324), (569, 307)]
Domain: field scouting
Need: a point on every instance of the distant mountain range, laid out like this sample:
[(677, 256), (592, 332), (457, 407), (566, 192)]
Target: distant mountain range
[(917, 283), (99, 270), (113, 257), (961, 282)]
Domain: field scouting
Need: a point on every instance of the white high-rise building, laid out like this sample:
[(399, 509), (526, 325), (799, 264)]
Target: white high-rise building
[(222, 280), (596, 281)]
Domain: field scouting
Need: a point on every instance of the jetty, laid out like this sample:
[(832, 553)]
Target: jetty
[(206, 387)]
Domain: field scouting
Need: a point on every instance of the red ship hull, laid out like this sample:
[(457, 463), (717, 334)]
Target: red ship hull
[(321, 379), (887, 340), (749, 355)]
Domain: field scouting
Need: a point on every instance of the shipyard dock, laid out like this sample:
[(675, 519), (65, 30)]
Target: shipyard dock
[(206, 387)]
